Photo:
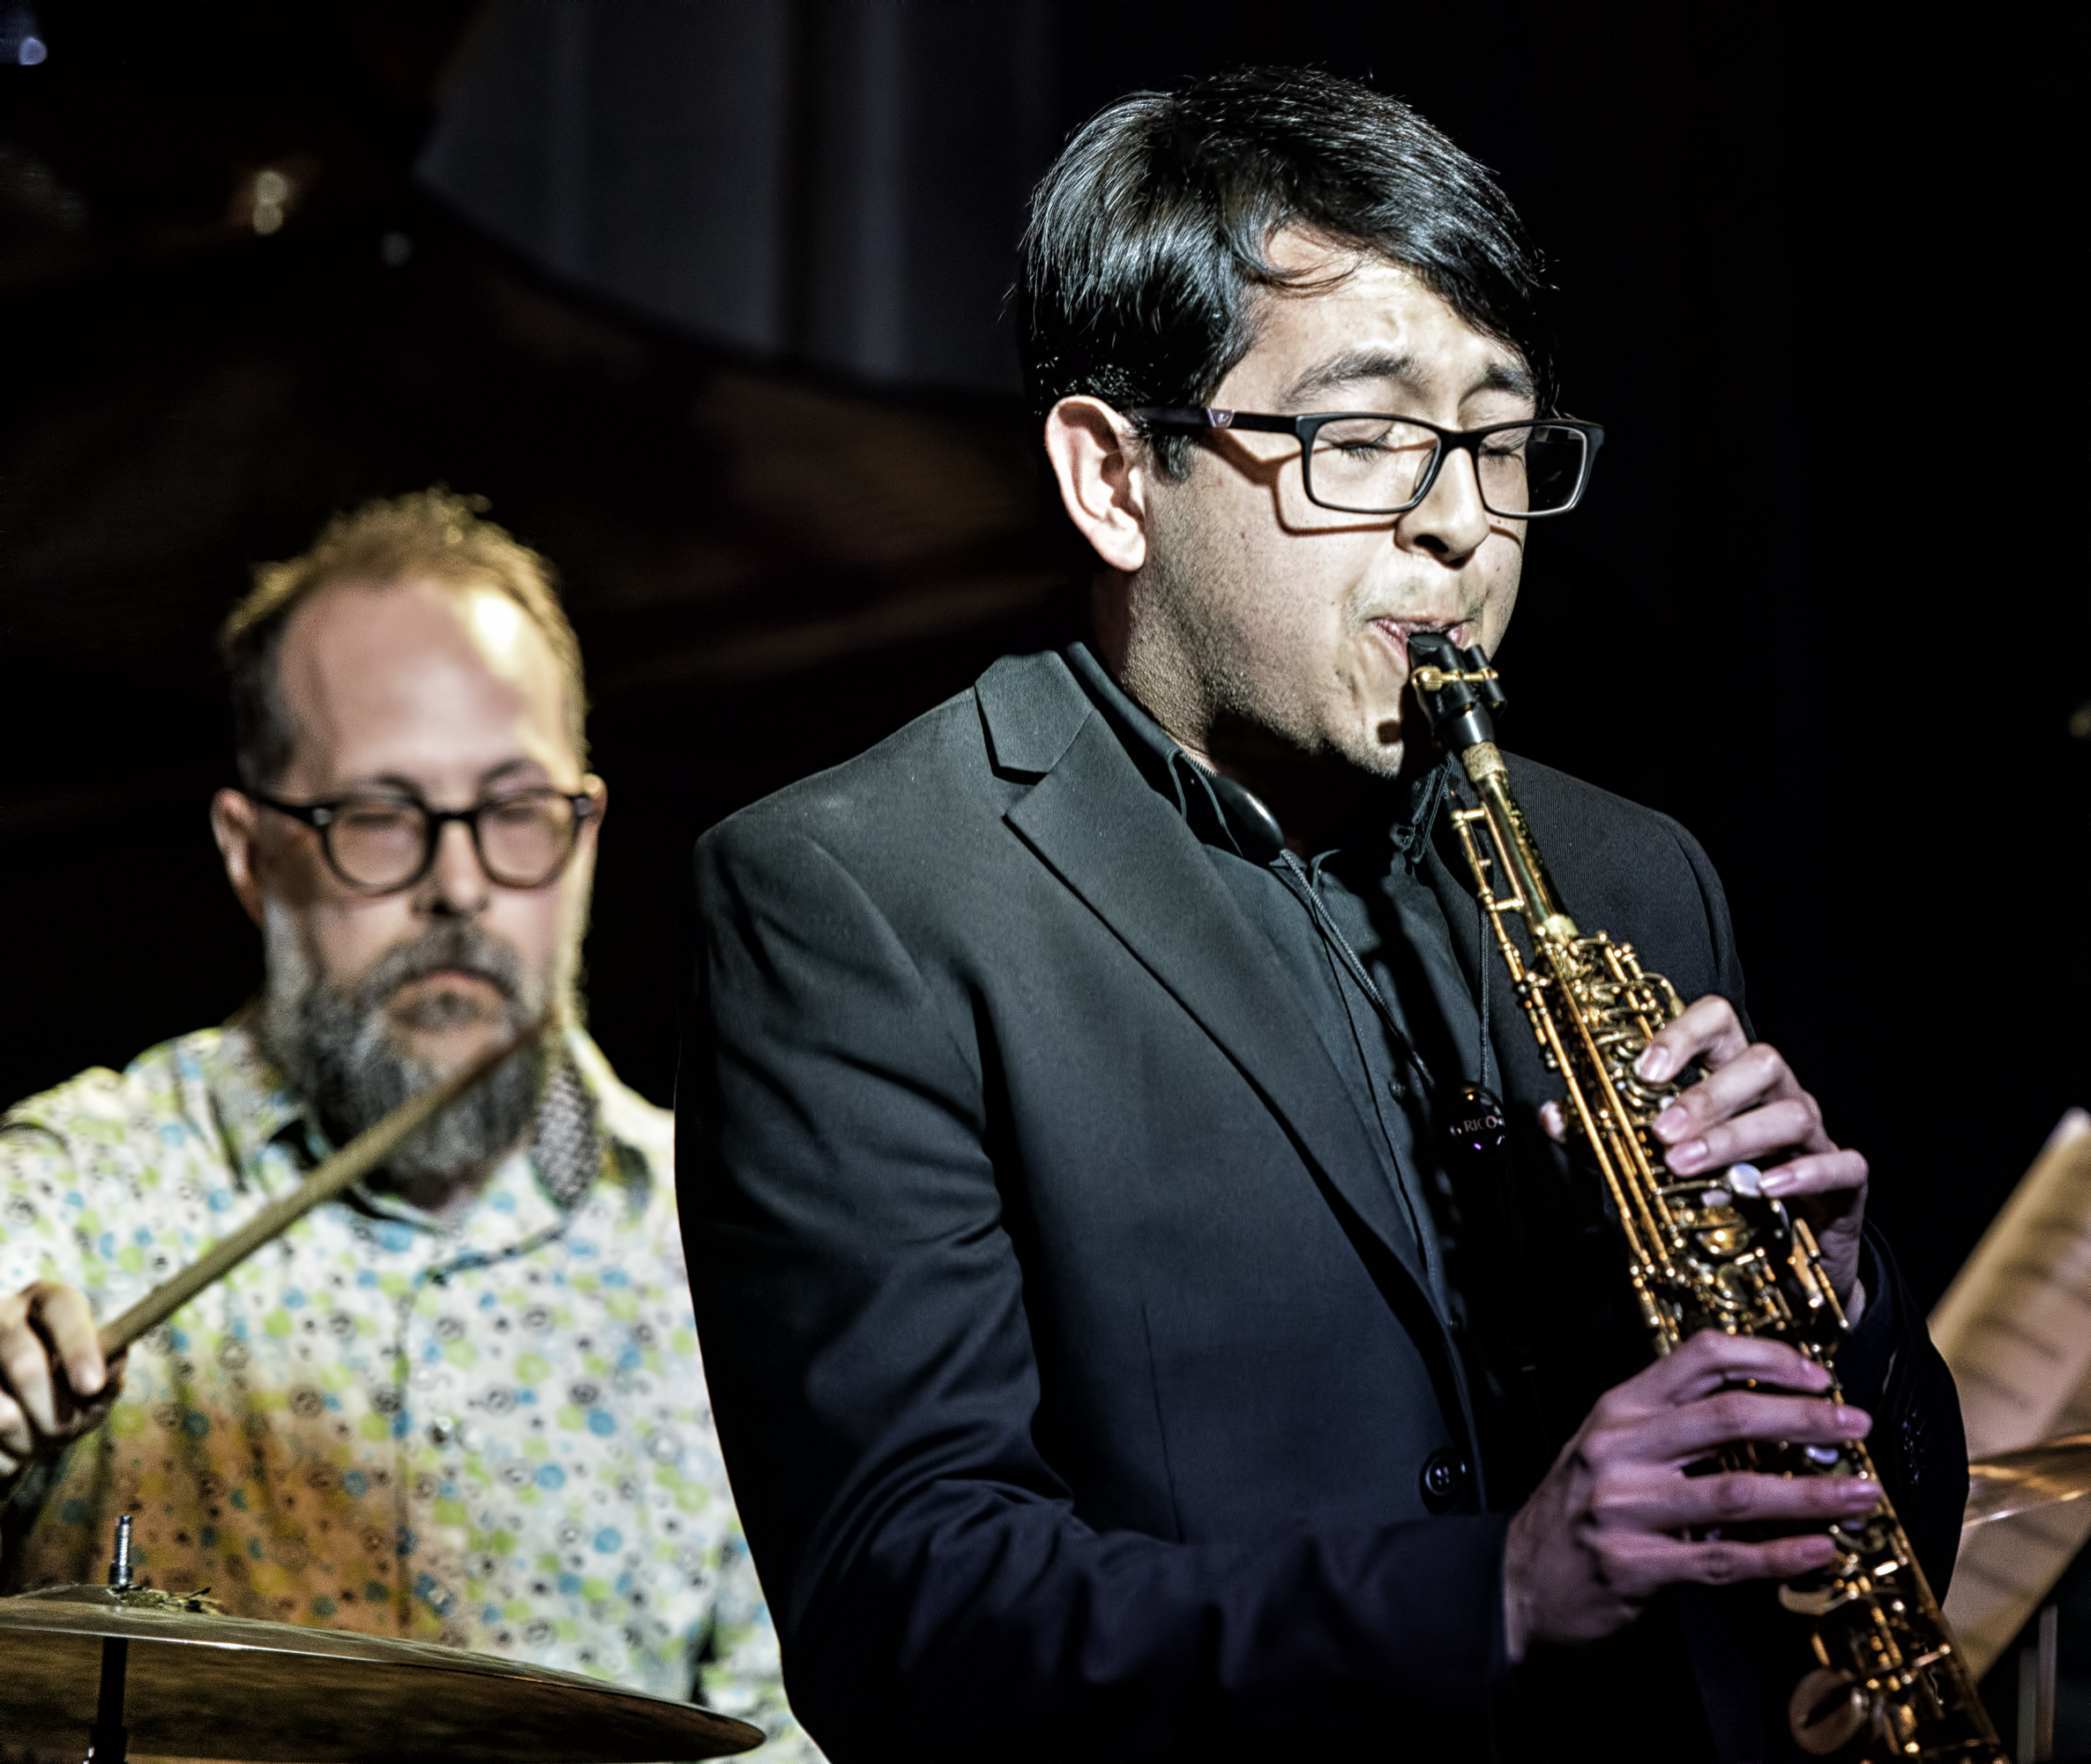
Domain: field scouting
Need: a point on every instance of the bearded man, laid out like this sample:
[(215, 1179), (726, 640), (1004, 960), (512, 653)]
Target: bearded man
[(464, 1402)]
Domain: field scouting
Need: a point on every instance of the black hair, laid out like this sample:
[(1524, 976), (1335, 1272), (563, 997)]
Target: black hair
[(1149, 234)]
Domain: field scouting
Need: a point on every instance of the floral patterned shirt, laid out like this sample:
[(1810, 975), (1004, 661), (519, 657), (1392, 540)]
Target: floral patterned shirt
[(494, 1436)]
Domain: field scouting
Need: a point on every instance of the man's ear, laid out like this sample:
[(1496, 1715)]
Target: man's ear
[(1102, 476), (599, 793), (236, 825)]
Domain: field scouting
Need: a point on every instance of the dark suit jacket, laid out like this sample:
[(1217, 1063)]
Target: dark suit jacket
[(1072, 1359)]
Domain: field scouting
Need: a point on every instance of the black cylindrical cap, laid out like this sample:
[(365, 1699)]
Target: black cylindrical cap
[(1459, 715)]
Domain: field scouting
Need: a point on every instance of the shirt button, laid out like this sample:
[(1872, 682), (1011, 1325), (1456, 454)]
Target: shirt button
[(1444, 1476)]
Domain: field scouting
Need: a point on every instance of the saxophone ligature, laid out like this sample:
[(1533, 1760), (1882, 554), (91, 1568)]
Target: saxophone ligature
[(1705, 1253)]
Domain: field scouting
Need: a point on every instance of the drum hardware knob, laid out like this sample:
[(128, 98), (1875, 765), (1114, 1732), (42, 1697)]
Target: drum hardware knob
[(108, 1741)]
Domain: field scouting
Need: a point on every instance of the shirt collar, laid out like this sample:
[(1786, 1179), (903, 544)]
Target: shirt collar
[(254, 1103), (256, 1109), (1222, 812)]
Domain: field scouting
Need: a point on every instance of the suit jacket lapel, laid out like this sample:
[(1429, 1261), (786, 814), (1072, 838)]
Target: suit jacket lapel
[(1105, 832)]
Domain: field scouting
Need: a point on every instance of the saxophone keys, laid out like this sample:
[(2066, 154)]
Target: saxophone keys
[(1827, 1711), (1812, 1601)]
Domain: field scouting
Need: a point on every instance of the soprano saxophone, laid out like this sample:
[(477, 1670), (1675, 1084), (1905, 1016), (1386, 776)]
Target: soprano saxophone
[(1706, 1253)]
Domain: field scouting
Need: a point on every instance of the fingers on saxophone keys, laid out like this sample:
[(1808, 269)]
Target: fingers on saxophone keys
[(1711, 1360), (1756, 1071), (1709, 1029), (1734, 1417), (1636, 1564), (1713, 1503), (1819, 1173), (1721, 1564), (1697, 1141)]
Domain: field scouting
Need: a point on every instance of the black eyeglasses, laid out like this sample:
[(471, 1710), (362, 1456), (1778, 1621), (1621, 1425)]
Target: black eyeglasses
[(1361, 463), (379, 845)]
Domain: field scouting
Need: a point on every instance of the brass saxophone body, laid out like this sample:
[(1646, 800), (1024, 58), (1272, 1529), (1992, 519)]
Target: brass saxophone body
[(1705, 1252)]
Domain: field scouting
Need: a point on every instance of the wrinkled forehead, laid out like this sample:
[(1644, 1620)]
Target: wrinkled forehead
[(381, 677), (1349, 321)]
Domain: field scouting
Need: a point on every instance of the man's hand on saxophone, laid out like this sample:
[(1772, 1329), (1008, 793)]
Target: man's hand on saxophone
[(1622, 1515), (1618, 1519), (1752, 1109)]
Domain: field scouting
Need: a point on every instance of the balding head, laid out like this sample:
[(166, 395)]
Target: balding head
[(430, 537), (398, 697)]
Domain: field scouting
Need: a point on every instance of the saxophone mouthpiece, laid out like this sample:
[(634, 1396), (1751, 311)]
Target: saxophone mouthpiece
[(1458, 689)]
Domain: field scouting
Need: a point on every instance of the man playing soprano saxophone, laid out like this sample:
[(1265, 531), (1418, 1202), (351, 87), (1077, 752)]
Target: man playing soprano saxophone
[(464, 1403), (1127, 1340)]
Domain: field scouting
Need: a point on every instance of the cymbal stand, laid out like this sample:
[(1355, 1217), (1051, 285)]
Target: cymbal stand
[(107, 1739)]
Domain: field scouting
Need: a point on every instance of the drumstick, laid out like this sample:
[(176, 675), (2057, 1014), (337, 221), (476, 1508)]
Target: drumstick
[(358, 1158)]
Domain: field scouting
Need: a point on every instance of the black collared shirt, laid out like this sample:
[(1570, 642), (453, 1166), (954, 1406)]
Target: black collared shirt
[(1364, 939), (1402, 1053)]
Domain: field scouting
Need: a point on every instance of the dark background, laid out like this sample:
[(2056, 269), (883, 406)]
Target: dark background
[(705, 298), (1826, 603), (704, 295)]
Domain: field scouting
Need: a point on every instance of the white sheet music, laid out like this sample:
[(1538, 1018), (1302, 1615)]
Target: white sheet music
[(2015, 1326)]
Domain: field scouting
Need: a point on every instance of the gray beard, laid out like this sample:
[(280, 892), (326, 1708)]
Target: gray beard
[(333, 1044)]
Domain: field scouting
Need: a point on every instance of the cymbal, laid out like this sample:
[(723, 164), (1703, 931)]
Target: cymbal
[(2035, 1475), (202, 1685)]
